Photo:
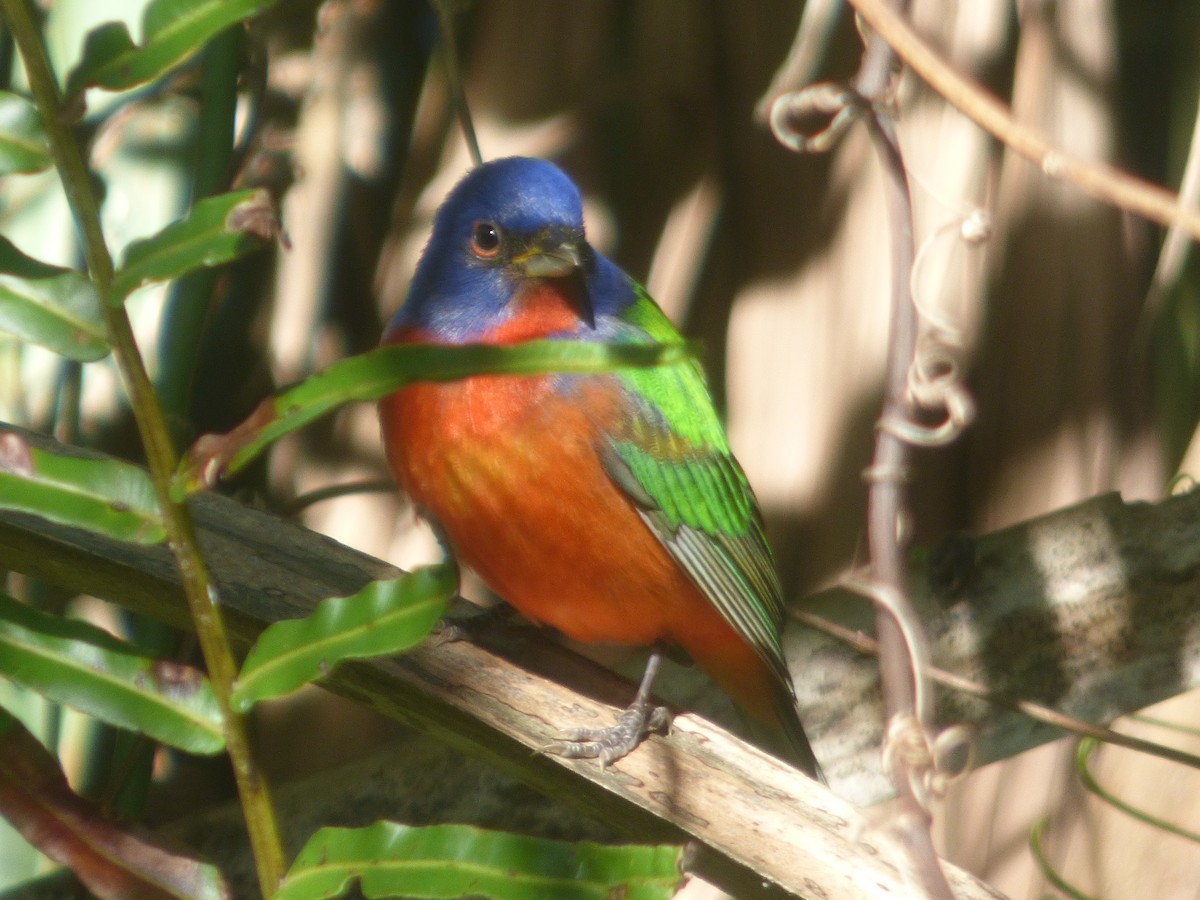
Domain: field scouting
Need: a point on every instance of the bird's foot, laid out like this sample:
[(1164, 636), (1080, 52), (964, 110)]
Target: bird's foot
[(611, 744), (466, 626)]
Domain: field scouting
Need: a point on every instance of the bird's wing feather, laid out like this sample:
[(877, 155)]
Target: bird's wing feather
[(671, 457)]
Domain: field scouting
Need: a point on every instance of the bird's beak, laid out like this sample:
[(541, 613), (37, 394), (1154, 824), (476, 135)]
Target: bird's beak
[(554, 256), (556, 260)]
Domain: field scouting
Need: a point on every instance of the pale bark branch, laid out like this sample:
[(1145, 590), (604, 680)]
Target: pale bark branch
[(1092, 611), (759, 829)]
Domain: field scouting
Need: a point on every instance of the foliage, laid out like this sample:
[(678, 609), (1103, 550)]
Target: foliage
[(458, 861), (93, 316), (185, 130), (384, 618)]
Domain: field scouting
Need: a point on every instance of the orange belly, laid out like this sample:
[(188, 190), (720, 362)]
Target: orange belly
[(510, 471)]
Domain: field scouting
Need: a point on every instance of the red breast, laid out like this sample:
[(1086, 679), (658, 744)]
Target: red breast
[(509, 468)]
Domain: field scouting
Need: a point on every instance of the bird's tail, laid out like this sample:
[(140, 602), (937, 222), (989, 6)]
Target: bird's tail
[(797, 750), (739, 671)]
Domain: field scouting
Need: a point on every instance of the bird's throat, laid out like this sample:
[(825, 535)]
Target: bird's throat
[(549, 306)]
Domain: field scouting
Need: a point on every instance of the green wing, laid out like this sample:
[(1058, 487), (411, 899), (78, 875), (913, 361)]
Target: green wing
[(671, 456)]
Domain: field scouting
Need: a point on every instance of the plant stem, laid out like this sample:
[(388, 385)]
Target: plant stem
[(887, 496), (1100, 180), (190, 297), (160, 455), (458, 93)]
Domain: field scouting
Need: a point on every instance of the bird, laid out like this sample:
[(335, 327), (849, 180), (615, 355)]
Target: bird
[(607, 506)]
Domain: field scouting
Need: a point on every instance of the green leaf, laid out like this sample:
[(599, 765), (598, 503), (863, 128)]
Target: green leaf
[(77, 664), (1083, 754), (383, 618), (107, 496), (1036, 846), (217, 230), (459, 860), (383, 370), (56, 308), (23, 144), (172, 31)]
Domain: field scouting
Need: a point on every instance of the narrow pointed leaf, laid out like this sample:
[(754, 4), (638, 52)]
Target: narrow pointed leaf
[(383, 370), (56, 308), (86, 668), (392, 860), (217, 230), (383, 618), (172, 31), (107, 496), (114, 863), (1083, 754), (1043, 861), (23, 145)]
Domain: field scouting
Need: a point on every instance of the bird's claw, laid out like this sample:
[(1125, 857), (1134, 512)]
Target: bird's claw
[(447, 631), (615, 742), (453, 628)]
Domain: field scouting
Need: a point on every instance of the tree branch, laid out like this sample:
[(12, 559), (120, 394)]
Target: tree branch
[(759, 829), (1092, 611), (1100, 180)]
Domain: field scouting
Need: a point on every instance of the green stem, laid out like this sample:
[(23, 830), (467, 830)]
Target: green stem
[(1086, 748), (160, 455), (189, 298), (1043, 862), (454, 77)]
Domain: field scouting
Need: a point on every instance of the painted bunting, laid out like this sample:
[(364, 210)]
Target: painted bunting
[(608, 506)]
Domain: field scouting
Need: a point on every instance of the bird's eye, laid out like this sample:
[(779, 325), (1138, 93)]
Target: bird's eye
[(485, 240)]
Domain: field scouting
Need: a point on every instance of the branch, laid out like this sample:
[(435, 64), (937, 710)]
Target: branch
[(908, 756), (758, 828), (1092, 611), (449, 37), (1102, 181)]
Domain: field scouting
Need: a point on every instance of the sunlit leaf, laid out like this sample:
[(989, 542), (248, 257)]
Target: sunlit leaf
[(392, 860), (383, 618), (372, 375), (56, 308), (112, 861), (217, 230), (23, 145), (86, 668), (172, 31), (107, 496)]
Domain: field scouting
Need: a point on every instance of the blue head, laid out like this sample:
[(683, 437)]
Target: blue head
[(506, 223)]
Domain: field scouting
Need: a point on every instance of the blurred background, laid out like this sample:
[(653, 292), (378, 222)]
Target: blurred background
[(1083, 364)]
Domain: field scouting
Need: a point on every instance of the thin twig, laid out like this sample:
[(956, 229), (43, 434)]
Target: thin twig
[(886, 502), (454, 77), (160, 455), (1176, 244), (908, 754), (298, 504), (887, 497), (818, 20), (1100, 180)]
